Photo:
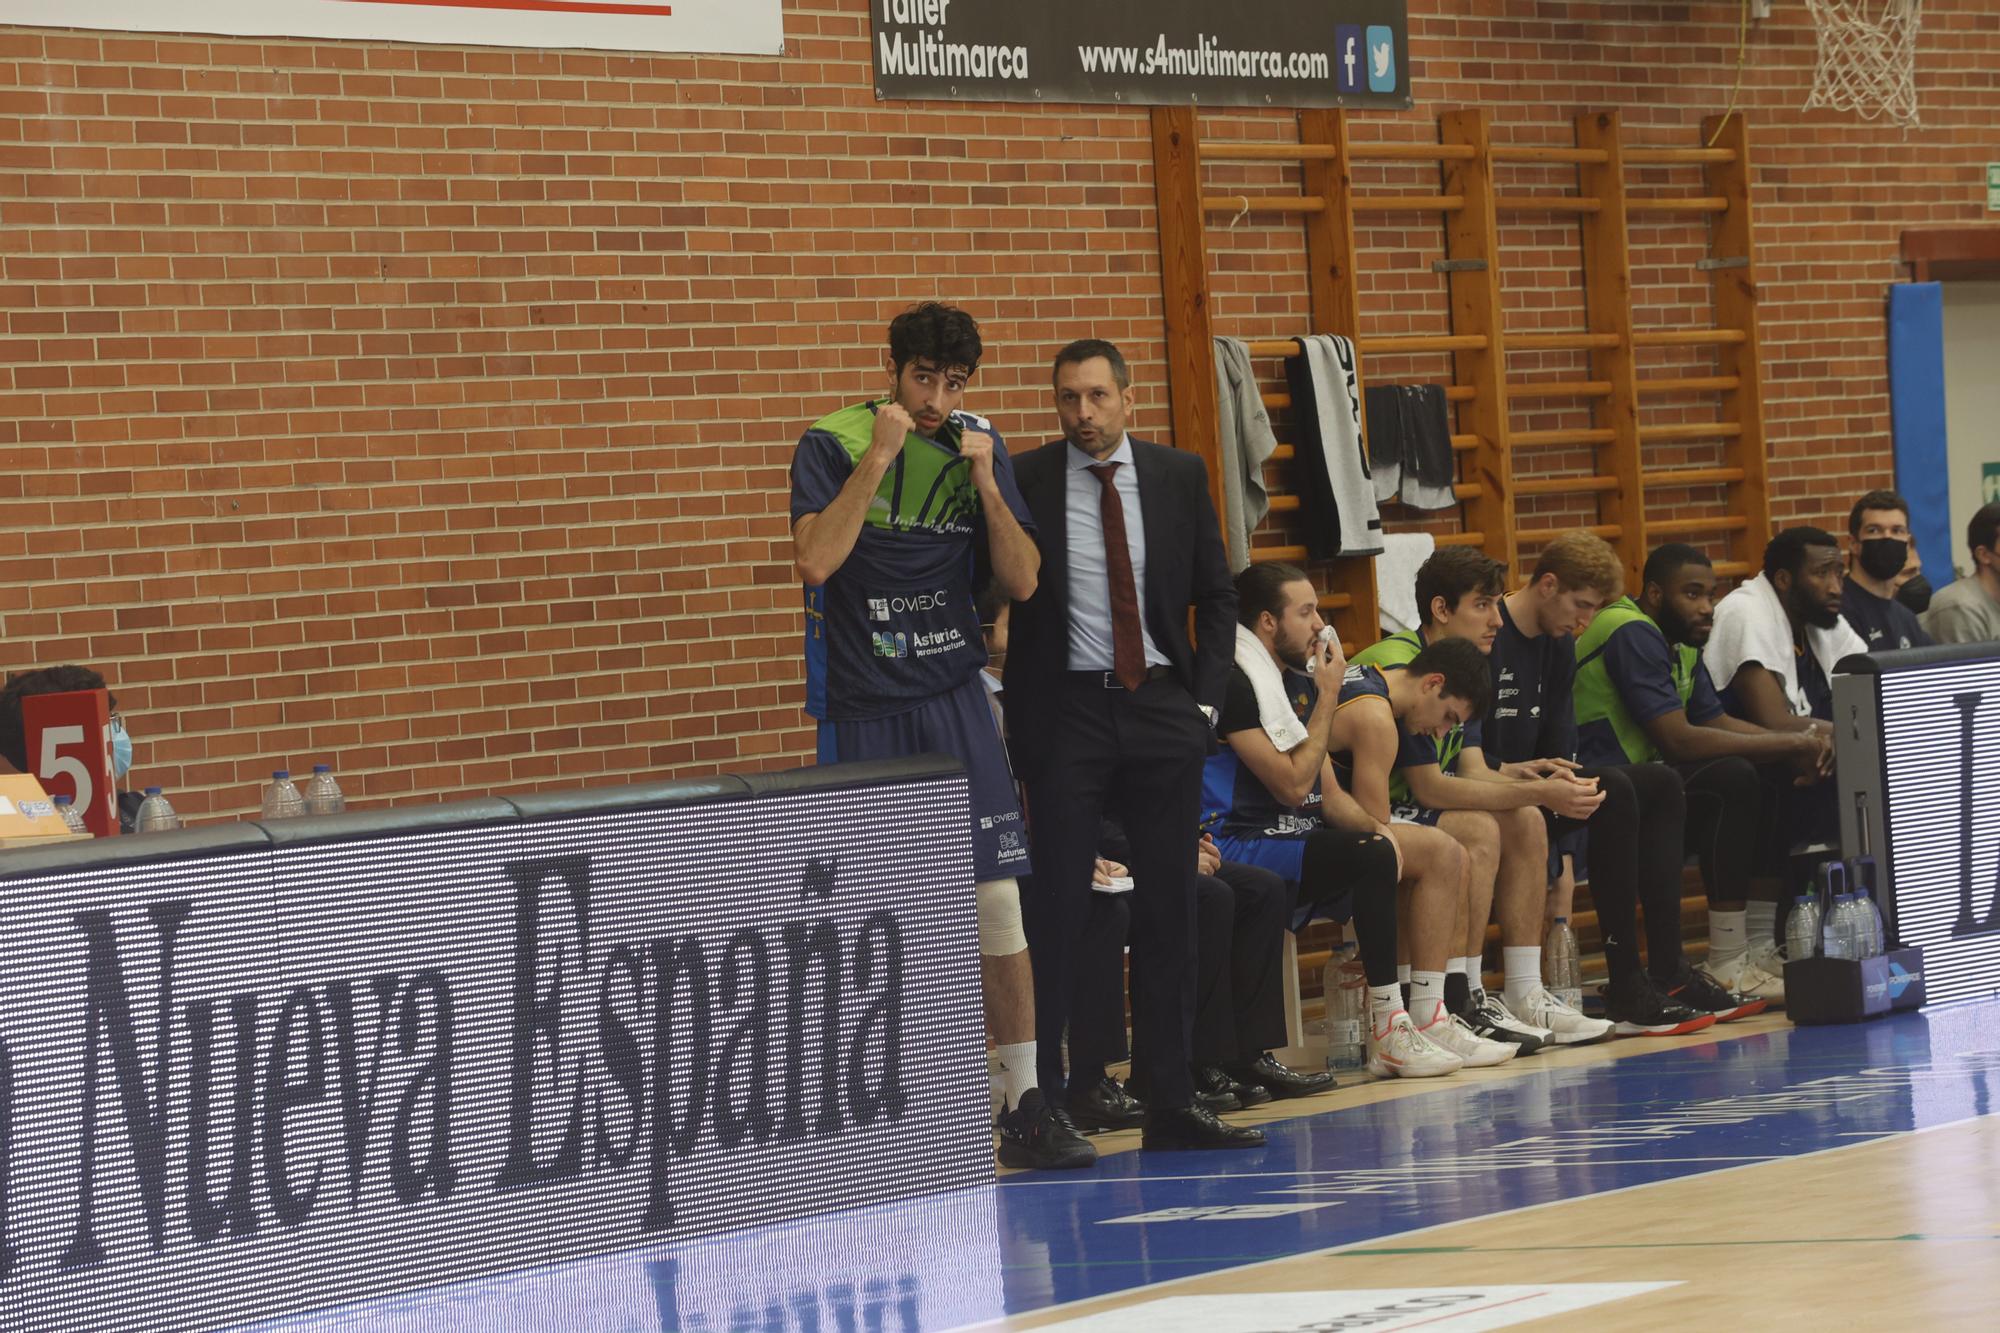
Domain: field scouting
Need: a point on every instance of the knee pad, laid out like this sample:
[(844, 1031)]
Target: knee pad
[(1000, 930)]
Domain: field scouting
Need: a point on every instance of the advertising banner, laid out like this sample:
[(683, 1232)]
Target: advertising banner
[(281, 1075), (748, 27), (1248, 53)]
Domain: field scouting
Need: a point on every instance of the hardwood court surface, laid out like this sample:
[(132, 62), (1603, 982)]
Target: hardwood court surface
[(1752, 1176)]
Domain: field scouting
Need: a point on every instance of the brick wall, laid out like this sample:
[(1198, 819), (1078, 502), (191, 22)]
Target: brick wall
[(426, 410)]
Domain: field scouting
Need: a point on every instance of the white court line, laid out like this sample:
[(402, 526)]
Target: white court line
[(1439, 1226), (1015, 1182)]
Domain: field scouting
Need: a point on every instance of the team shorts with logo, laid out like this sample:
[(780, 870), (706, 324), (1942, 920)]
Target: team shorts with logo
[(958, 723), (1414, 814)]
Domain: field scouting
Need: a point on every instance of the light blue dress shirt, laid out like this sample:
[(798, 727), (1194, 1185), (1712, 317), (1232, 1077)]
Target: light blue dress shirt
[(1089, 579)]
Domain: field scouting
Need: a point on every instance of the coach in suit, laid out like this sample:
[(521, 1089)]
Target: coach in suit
[(1111, 709)]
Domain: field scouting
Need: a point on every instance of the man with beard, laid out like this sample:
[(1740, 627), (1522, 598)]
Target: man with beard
[(895, 502), (1643, 696), (1771, 653), (1878, 532)]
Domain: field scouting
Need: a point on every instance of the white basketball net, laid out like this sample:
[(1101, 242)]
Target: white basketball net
[(1867, 57)]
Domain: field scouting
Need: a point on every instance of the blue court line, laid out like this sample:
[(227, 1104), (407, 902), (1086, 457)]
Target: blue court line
[(1335, 1180)]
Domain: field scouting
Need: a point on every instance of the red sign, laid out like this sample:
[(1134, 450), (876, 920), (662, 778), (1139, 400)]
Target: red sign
[(69, 751)]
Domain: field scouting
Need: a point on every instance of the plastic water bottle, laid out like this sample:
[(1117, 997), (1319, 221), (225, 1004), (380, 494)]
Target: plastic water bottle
[(1878, 931), (72, 817), (1802, 931), (1560, 969), (281, 798), (1346, 989), (1856, 926), (323, 793), (156, 815), (1836, 939)]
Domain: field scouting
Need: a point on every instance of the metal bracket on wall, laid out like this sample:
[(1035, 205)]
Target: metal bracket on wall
[(1458, 266), (1726, 261)]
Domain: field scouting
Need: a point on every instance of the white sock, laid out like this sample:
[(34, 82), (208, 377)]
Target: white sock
[(1403, 973), (1761, 923), (1017, 1071), (1426, 997), (1461, 966), (1523, 966), (1728, 939), (1384, 1003)]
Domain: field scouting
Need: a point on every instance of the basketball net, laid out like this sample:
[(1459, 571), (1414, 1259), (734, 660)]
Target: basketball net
[(1867, 57)]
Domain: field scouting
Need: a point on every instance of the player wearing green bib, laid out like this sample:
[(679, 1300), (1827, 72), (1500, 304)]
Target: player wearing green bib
[(1643, 696), (1494, 813)]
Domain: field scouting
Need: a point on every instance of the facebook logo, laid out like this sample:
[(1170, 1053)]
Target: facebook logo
[(1349, 61), (1381, 60)]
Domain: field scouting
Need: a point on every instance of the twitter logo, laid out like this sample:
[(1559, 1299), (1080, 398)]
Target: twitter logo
[(1381, 60), (1350, 65)]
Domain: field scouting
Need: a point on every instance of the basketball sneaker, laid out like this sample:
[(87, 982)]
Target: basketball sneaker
[(1454, 1034), (1565, 1025), (1401, 1050), (1699, 992), (1493, 1020), (1747, 974), (1638, 1009)]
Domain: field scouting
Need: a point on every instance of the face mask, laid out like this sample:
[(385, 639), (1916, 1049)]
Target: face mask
[(121, 751), (1884, 557), (1916, 594)]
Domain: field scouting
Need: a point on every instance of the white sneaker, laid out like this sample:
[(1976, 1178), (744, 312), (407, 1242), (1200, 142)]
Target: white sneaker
[(1403, 1051), (1569, 1027), (1453, 1034), (1747, 975)]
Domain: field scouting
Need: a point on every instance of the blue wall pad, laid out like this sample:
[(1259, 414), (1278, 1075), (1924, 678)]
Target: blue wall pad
[(1916, 414)]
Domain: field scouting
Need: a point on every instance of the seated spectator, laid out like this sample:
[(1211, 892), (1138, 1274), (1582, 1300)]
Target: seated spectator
[(1879, 551), (1270, 797), (1643, 696), (1968, 610)]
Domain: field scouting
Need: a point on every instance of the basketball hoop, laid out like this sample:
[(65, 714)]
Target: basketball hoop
[(1867, 57)]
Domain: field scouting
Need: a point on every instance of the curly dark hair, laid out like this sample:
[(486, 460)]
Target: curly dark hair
[(45, 680), (939, 333)]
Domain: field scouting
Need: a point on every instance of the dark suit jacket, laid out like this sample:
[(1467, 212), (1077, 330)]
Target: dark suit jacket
[(1185, 567)]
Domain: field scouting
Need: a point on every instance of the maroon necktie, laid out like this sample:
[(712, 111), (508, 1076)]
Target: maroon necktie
[(1128, 643)]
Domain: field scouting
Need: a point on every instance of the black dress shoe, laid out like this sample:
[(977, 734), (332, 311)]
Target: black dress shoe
[(1106, 1105), (1265, 1072), (1035, 1134), (1208, 1080), (1187, 1128)]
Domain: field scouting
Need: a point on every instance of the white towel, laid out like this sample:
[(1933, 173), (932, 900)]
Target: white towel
[(1750, 626), (1403, 553), (1274, 710), (1331, 363)]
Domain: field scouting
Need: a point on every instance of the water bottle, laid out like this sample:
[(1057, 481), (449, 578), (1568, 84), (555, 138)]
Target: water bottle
[(1836, 938), (72, 817), (156, 815), (323, 793), (1560, 969), (1861, 877), (1878, 932), (1802, 931), (1346, 988), (281, 798)]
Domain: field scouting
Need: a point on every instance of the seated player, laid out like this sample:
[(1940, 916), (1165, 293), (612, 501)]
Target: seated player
[(1496, 816), (1771, 654), (1241, 912), (1643, 696), (1269, 799), (14, 757), (1632, 841), (1878, 534), (1967, 610)]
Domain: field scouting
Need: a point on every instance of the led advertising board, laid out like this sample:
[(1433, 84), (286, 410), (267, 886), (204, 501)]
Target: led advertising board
[(246, 1072), (1918, 749)]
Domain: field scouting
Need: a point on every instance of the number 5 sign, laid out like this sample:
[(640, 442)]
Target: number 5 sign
[(69, 751)]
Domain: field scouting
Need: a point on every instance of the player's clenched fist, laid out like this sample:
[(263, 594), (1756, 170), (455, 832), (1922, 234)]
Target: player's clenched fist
[(976, 447), (892, 423)]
